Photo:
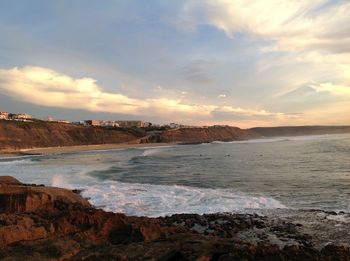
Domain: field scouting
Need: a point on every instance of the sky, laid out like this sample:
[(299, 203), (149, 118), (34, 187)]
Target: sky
[(243, 63)]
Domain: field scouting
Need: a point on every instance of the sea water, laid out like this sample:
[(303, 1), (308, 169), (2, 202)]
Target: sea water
[(306, 172)]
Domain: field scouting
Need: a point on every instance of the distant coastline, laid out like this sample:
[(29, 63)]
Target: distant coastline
[(40, 137)]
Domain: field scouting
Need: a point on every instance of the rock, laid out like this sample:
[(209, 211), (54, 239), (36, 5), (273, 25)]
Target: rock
[(21, 198), (45, 223), (8, 180)]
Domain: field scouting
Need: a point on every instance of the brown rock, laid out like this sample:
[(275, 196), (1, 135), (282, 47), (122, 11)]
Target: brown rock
[(16, 197), (9, 180), (43, 223)]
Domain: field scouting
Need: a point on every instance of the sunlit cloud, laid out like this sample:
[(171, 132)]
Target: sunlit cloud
[(244, 63), (47, 87), (289, 25), (337, 90)]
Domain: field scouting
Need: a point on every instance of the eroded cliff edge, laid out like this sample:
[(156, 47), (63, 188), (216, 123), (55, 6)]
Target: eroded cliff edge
[(15, 135), (40, 134), (22, 135), (44, 223)]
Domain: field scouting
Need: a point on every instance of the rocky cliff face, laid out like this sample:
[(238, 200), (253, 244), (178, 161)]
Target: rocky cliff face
[(19, 135), (209, 134), (22, 135), (58, 224)]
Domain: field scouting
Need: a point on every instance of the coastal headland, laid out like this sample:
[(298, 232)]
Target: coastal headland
[(47, 223), (42, 137)]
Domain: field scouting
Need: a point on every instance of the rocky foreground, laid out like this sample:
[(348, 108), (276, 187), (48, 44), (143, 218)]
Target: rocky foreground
[(45, 223)]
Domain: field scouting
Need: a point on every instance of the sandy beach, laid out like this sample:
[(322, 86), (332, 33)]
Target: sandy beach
[(80, 148)]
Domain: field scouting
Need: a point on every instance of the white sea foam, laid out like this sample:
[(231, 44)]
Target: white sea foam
[(161, 200), (15, 162), (152, 151), (59, 181)]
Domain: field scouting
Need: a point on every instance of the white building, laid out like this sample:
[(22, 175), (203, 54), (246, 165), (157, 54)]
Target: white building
[(130, 124), (22, 116), (93, 122), (174, 125), (4, 115), (109, 124)]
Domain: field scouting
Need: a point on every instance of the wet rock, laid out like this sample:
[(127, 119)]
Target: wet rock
[(43, 223)]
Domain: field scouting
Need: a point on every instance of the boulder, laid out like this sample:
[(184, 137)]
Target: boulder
[(16, 197)]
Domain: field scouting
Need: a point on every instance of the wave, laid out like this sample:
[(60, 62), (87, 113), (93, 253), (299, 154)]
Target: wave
[(14, 161), (60, 181), (152, 151), (161, 200)]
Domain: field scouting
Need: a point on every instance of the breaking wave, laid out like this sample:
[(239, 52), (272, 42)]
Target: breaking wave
[(162, 200), (14, 161)]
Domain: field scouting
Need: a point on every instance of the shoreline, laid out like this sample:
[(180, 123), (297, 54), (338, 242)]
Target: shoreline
[(51, 223), (111, 146), (78, 148)]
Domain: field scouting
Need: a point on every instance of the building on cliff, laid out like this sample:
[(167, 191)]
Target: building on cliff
[(93, 122), (20, 116), (130, 124), (109, 124), (174, 125), (4, 115)]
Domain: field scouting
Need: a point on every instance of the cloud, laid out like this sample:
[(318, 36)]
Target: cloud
[(46, 87), (229, 111), (320, 103), (198, 71), (220, 96), (313, 90), (333, 89), (289, 25)]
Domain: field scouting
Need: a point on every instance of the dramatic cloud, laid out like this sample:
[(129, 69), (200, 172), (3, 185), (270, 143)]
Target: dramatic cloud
[(290, 25), (241, 62), (46, 87)]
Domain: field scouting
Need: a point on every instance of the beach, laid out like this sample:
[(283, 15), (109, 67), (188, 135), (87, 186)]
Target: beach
[(76, 149)]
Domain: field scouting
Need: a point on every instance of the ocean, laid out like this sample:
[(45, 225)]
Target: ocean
[(304, 172)]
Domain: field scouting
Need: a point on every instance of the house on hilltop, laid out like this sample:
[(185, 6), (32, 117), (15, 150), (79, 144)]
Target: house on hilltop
[(93, 122), (130, 124), (20, 116), (4, 115)]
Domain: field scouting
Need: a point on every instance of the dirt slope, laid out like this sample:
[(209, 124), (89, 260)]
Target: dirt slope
[(209, 134), (20, 135)]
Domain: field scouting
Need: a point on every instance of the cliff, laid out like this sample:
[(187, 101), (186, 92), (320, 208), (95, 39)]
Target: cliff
[(16, 135), (20, 135), (300, 130), (208, 134), (63, 226)]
